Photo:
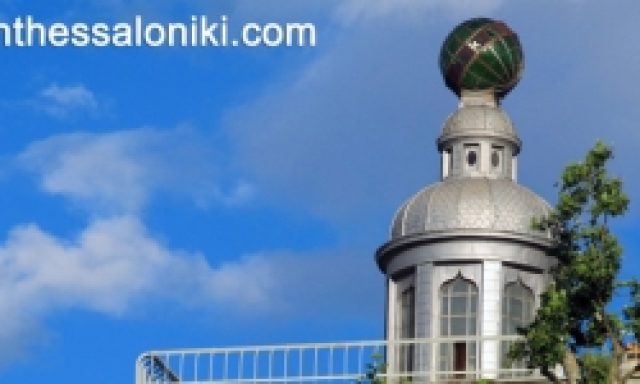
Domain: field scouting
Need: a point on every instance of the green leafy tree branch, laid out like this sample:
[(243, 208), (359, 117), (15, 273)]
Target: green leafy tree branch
[(573, 316)]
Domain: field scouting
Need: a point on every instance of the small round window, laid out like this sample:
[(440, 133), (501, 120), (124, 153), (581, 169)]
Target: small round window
[(495, 159), (472, 158)]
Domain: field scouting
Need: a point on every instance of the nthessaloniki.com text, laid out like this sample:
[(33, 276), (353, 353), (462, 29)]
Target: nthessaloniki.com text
[(199, 31)]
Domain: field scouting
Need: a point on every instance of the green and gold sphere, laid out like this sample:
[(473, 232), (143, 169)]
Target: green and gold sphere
[(482, 54)]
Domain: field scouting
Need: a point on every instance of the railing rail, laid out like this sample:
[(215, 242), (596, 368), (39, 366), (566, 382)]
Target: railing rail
[(358, 361)]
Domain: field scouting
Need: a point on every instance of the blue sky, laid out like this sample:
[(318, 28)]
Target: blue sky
[(184, 197)]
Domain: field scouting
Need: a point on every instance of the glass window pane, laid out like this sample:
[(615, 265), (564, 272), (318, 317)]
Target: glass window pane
[(458, 305), (472, 326), (515, 290), (458, 311), (458, 326), (443, 363), (460, 286), (444, 357), (444, 327), (472, 154), (504, 350), (408, 313), (528, 313), (518, 300), (512, 329), (471, 351), (495, 159), (515, 309), (472, 158), (444, 348)]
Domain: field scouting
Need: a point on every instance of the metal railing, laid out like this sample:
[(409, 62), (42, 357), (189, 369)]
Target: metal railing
[(397, 361)]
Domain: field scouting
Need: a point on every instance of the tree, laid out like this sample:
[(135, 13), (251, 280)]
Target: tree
[(573, 327), (374, 370)]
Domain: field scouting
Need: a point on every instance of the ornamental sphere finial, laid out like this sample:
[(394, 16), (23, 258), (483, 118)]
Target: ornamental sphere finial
[(482, 54)]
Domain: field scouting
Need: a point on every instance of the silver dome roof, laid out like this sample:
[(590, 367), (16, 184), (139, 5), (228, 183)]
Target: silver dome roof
[(474, 120), (471, 204)]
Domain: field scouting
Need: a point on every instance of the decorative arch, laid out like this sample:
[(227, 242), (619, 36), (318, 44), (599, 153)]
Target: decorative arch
[(458, 299), (518, 306), (458, 275), (518, 310), (405, 317)]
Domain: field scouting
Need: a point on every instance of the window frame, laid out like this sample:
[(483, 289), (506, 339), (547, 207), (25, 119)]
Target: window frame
[(509, 323), (467, 149), (450, 292)]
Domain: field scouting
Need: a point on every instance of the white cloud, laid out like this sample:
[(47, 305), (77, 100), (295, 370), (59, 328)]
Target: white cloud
[(61, 101), (111, 265), (108, 266), (114, 266), (120, 171), (100, 269)]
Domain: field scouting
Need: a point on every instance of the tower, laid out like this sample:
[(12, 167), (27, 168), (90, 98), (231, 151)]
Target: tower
[(464, 263)]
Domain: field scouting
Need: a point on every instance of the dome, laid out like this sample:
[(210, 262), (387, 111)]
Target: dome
[(471, 204), (481, 54), (479, 121)]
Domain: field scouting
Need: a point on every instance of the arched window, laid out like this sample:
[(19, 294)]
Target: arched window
[(472, 157), (458, 317), (405, 320), (497, 159), (518, 308)]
